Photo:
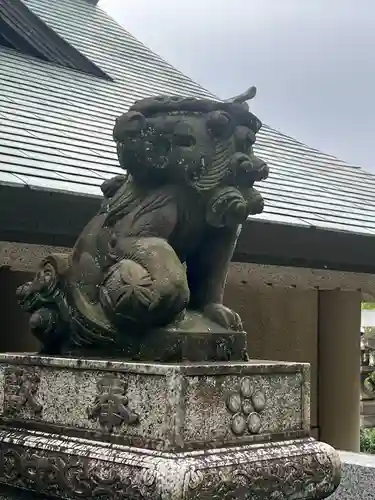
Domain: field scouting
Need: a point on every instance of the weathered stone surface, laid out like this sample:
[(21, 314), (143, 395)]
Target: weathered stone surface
[(209, 343), (81, 428), (358, 477), (10, 493), (77, 468), (151, 266), (165, 407)]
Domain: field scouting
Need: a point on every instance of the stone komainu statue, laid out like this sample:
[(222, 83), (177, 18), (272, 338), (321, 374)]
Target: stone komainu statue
[(156, 256)]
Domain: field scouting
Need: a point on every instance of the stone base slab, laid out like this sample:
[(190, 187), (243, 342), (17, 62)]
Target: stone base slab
[(169, 407), (358, 477), (75, 468), (91, 428), (210, 344)]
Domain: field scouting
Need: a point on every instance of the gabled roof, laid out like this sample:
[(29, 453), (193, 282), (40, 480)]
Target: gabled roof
[(22, 30), (56, 125)]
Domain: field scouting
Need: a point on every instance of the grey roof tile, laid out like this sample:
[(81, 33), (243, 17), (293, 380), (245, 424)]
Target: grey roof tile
[(56, 126), (10, 179)]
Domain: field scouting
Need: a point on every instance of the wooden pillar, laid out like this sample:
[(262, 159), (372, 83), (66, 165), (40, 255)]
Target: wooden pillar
[(339, 369)]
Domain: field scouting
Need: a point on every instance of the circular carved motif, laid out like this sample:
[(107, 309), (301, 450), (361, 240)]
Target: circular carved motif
[(246, 404), (246, 388), (148, 477), (238, 424), (259, 401), (195, 479), (254, 423), (234, 402)]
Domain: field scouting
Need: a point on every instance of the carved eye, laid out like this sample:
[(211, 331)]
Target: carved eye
[(219, 124), (182, 140), (245, 139), (128, 125)]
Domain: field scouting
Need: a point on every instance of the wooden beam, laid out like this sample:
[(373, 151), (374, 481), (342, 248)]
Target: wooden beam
[(26, 257)]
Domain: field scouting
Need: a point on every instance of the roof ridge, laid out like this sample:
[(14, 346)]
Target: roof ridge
[(24, 31)]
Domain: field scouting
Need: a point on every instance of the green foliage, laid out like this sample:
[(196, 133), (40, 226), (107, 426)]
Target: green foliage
[(368, 441), (368, 305)]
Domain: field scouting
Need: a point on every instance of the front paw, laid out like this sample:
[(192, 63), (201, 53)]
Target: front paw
[(223, 316)]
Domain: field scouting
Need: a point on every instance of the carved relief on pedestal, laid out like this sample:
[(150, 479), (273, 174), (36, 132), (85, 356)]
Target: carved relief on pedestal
[(302, 477), (246, 404), (20, 388), (110, 407), (76, 477)]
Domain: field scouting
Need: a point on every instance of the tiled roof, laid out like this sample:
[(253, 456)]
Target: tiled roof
[(56, 125)]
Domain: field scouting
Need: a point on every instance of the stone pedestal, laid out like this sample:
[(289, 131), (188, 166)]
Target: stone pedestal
[(79, 428)]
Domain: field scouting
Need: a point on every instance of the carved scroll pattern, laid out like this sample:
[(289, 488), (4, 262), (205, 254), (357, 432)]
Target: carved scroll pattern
[(20, 388), (67, 476), (311, 476), (74, 477)]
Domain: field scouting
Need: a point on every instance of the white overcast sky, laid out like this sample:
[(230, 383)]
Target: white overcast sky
[(313, 61)]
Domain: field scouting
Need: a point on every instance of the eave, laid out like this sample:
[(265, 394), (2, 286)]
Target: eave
[(56, 218)]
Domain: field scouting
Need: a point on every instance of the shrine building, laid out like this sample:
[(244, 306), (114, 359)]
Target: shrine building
[(300, 269)]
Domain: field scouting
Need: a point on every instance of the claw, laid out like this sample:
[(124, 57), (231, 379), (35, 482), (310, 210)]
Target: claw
[(224, 316)]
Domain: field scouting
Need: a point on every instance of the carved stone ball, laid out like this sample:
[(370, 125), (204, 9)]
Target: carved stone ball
[(128, 289), (145, 291)]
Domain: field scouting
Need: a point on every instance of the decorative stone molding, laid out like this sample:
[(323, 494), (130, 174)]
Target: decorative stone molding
[(55, 465), (113, 429), (99, 398)]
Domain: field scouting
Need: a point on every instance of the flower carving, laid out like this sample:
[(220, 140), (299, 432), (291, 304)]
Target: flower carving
[(246, 404), (128, 285), (137, 282)]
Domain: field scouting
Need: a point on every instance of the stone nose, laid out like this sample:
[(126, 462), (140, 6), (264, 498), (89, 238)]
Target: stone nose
[(250, 169)]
